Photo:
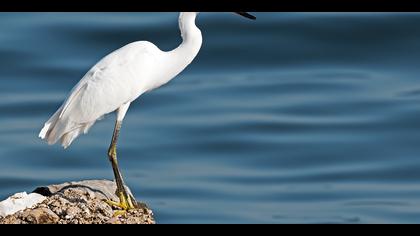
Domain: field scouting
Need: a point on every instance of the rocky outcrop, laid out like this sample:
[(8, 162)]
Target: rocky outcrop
[(79, 203)]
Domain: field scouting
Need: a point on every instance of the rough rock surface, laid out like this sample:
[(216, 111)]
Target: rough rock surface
[(79, 203)]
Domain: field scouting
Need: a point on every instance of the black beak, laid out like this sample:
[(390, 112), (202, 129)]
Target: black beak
[(247, 15)]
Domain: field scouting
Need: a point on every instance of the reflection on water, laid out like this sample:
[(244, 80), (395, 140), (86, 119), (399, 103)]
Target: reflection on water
[(296, 117)]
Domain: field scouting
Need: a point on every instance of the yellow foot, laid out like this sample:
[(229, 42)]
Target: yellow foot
[(120, 213), (114, 204), (125, 204)]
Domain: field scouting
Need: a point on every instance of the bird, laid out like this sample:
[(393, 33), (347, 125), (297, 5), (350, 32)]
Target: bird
[(113, 83)]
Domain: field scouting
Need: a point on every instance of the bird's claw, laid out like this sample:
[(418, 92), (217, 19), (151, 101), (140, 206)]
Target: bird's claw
[(125, 204)]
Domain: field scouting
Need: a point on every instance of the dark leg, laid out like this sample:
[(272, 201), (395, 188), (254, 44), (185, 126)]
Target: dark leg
[(127, 201)]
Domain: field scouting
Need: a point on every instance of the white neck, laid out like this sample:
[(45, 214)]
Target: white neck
[(185, 53), (189, 31)]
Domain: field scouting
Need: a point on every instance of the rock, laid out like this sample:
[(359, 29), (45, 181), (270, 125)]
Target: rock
[(79, 203), (41, 216), (102, 189), (18, 202), (72, 212)]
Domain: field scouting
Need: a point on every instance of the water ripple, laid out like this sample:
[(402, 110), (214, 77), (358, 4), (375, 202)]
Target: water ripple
[(295, 118)]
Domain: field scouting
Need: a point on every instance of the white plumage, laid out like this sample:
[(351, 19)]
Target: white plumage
[(118, 79)]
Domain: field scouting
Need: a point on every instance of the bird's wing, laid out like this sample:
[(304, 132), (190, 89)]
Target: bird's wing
[(107, 85), (79, 87), (76, 91)]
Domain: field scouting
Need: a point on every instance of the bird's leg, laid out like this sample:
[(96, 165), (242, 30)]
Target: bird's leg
[(126, 200)]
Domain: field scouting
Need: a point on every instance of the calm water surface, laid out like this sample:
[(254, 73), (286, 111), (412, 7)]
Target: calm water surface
[(293, 118)]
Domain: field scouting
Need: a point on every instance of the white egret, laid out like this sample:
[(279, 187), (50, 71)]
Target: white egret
[(116, 81)]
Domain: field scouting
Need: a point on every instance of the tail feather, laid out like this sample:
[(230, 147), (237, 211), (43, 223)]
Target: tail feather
[(44, 131), (49, 125), (62, 129), (69, 137)]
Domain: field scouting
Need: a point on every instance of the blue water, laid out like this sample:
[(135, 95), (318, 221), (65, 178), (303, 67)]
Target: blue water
[(293, 118)]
